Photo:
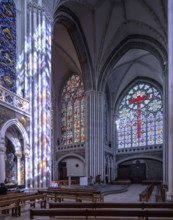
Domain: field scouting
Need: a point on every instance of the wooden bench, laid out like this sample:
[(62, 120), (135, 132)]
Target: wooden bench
[(77, 195), (32, 200), (9, 205), (17, 203), (108, 205), (146, 193), (12, 195), (160, 193), (108, 213)]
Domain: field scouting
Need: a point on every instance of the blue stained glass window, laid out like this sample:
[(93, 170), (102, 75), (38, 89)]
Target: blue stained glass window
[(8, 44), (140, 117), (72, 112)]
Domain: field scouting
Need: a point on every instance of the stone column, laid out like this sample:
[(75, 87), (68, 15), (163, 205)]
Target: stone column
[(170, 101), (95, 133), (29, 172), (18, 179), (2, 164), (40, 99)]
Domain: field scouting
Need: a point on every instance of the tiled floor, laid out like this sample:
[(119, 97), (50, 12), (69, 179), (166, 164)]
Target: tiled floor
[(130, 195)]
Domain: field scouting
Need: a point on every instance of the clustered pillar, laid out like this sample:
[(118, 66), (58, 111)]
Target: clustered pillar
[(39, 72), (95, 133), (170, 101)]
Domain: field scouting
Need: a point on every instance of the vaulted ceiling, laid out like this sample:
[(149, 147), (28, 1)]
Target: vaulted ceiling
[(107, 25)]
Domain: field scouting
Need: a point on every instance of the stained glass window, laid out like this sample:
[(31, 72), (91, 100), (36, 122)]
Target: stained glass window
[(72, 112), (140, 117), (8, 44)]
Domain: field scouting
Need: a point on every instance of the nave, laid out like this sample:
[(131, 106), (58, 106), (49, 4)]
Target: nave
[(112, 194)]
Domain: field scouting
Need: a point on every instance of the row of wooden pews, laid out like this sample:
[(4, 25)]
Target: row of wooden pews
[(144, 196), (106, 210), (160, 193), (78, 194), (13, 202)]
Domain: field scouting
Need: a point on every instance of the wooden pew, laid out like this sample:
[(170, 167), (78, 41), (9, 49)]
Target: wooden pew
[(18, 202), (77, 195), (108, 213), (10, 202), (146, 193), (32, 200), (160, 193), (13, 195), (9, 205), (109, 205)]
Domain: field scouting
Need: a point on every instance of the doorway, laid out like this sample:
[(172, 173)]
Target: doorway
[(62, 168), (136, 172)]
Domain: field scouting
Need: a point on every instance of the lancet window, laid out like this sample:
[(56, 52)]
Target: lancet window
[(72, 112)]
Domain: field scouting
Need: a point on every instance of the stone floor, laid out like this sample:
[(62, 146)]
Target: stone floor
[(130, 194)]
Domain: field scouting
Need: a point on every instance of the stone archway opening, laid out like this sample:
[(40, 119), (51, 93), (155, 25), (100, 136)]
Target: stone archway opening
[(133, 171), (71, 167), (14, 156), (10, 162), (140, 170)]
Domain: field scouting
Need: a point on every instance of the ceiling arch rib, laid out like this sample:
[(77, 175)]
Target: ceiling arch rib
[(145, 66), (111, 28), (79, 54), (133, 42)]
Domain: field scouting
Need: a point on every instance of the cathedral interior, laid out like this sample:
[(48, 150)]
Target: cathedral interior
[(85, 91)]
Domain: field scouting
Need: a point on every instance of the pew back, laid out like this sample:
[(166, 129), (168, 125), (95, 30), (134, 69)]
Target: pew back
[(101, 213)]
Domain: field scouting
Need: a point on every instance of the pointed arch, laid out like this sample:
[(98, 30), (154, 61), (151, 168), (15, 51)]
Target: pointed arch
[(70, 155), (20, 128), (131, 42), (139, 116), (66, 17), (139, 157)]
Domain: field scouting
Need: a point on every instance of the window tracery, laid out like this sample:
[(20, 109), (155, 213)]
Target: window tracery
[(140, 117), (72, 112)]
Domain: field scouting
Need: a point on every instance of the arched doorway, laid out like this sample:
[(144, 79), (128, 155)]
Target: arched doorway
[(139, 169), (132, 170), (15, 157), (72, 166), (10, 162), (15, 154)]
